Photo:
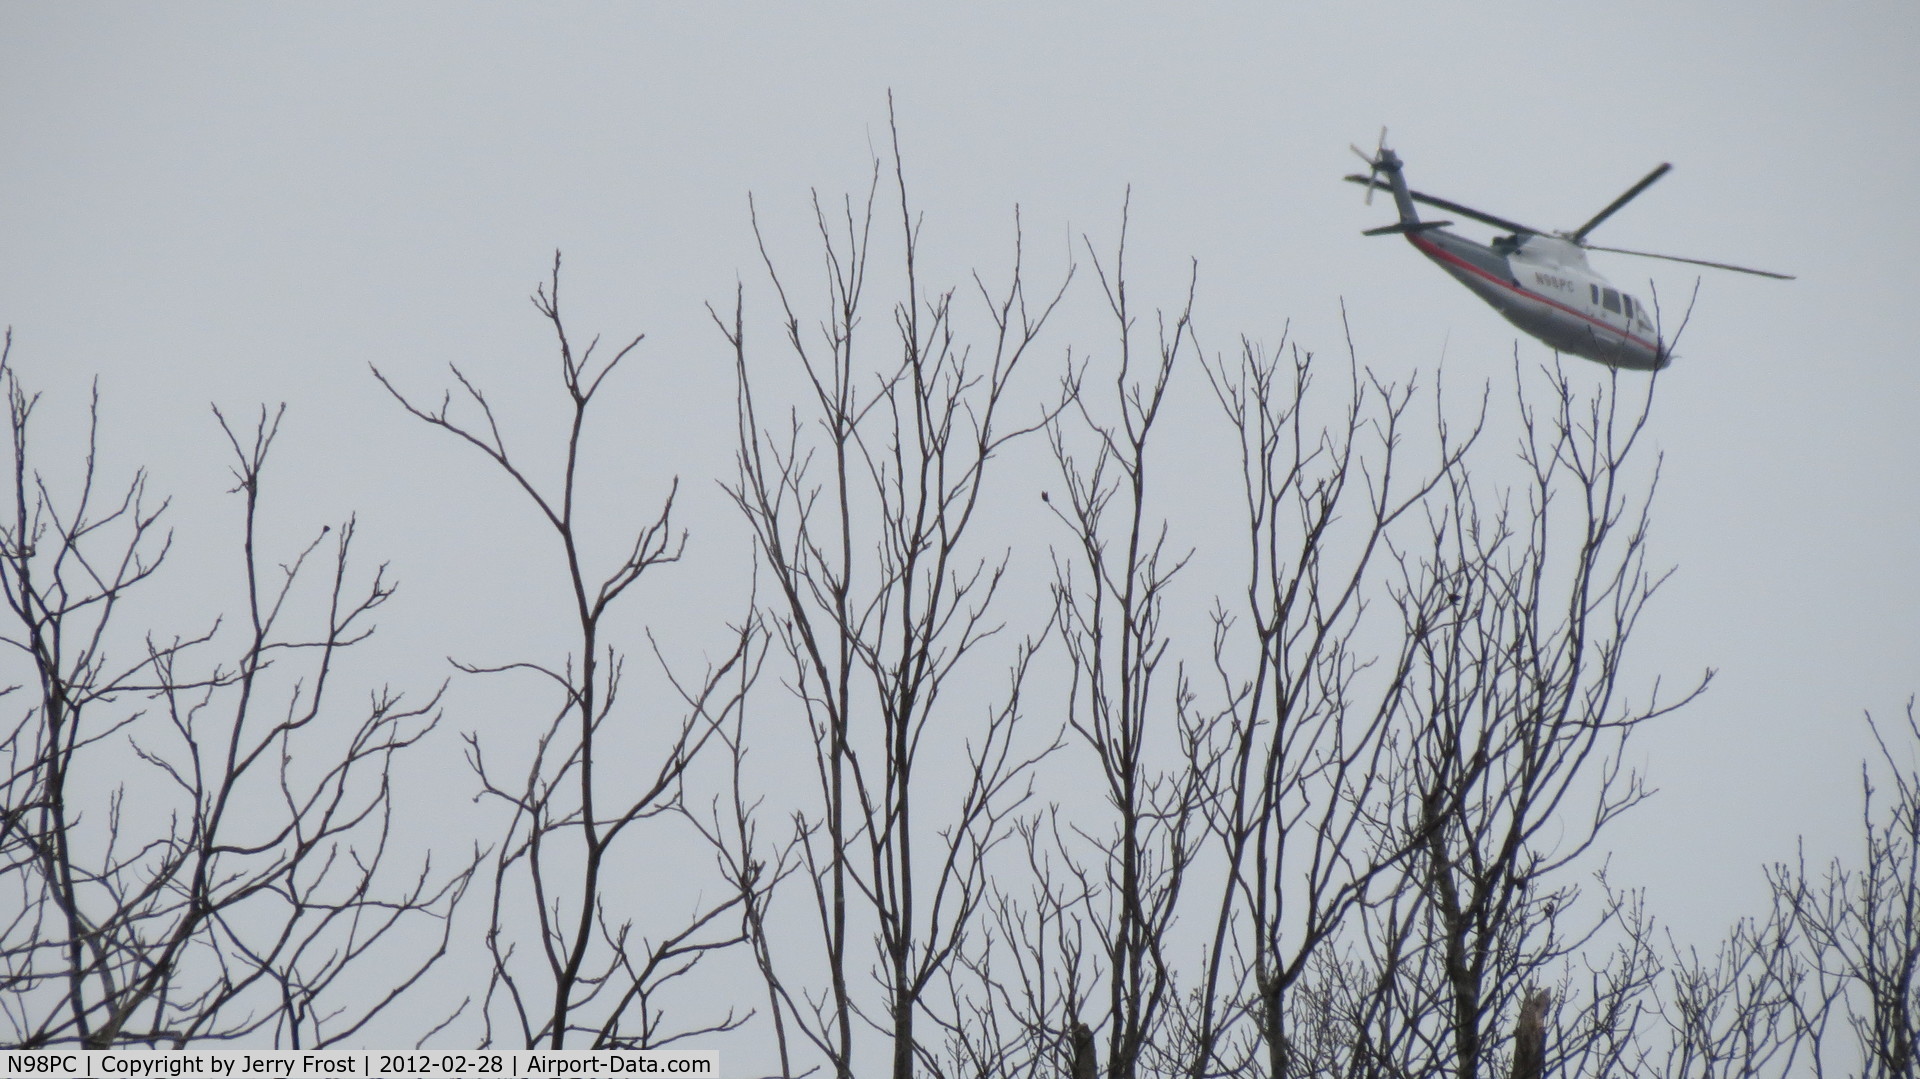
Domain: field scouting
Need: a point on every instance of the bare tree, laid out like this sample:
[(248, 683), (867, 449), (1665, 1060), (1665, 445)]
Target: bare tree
[(1396, 839), (862, 503), (1740, 1012), (196, 848), (1508, 766), (1829, 980), (1110, 595), (592, 971), (1858, 926), (1302, 734)]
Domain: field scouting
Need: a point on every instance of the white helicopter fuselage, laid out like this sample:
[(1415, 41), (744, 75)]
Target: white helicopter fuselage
[(1543, 285), (1539, 280)]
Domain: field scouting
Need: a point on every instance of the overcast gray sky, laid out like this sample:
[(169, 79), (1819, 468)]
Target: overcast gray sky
[(245, 203)]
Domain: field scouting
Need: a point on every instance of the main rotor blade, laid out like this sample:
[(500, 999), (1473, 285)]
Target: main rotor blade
[(1463, 211), (1646, 181), (1695, 262)]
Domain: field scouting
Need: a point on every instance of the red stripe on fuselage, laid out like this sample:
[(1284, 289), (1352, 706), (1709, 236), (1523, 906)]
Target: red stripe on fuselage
[(1435, 251)]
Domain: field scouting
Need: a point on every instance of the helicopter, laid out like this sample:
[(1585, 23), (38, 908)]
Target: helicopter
[(1539, 280)]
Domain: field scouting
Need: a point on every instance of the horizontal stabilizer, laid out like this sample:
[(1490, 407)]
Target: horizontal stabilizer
[(1414, 226)]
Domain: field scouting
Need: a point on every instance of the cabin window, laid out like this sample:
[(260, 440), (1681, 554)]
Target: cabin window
[(1626, 303), (1610, 300), (1595, 289)]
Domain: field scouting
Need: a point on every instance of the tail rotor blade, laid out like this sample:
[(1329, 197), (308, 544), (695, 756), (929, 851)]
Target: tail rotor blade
[(1373, 163), (1379, 155), (1373, 169)]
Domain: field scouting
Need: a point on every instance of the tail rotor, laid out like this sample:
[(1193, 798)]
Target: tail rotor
[(1373, 162)]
